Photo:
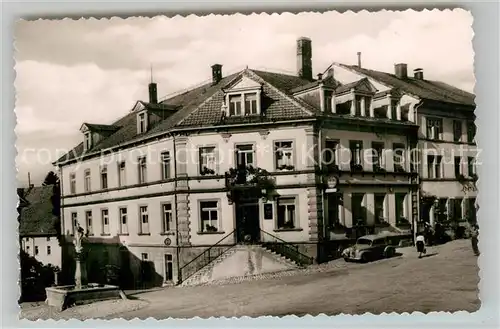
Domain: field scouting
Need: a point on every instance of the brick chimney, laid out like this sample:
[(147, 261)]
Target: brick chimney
[(401, 70), (216, 73), (304, 58), (153, 94), (418, 74)]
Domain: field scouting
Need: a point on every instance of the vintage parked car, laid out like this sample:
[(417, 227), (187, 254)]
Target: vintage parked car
[(369, 248)]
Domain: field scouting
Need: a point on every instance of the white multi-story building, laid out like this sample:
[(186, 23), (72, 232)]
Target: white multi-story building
[(38, 225), (251, 157), (447, 149)]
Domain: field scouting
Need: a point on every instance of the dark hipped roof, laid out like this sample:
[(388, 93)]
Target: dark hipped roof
[(329, 82), (201, 107), (424, 89), (36, 216), (101, 127), (207, 101)]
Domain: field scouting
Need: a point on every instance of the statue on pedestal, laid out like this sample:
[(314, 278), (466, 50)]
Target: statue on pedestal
[(80, 270)]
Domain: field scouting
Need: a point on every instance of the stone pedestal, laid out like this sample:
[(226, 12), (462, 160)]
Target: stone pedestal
[(80, 272)]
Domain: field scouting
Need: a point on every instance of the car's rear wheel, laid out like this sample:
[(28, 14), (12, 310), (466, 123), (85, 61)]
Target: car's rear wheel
[(389, 252)]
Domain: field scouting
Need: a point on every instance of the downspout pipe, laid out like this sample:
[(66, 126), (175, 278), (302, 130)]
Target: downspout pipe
[(418, 167), (179, 278)]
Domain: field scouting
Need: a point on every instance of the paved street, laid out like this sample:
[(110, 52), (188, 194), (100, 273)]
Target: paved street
[(446, 280)]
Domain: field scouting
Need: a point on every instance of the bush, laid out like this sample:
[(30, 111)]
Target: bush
[(35, 277)]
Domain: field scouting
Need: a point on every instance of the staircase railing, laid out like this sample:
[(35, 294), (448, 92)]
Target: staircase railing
[(285, 249), (206, 257)]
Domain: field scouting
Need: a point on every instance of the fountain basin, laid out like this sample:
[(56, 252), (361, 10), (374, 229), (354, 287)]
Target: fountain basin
[(62, 297)]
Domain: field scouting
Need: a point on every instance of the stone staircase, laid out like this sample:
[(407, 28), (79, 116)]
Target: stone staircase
[(241, 261)]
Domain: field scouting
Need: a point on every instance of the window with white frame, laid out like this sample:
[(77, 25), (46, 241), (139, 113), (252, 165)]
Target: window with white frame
[(401, 215), (86, 181), (330, 153), (283, 151), (251, 104), (121, 174), (36, 250), (457, 130), (358, 209), (48, 250), (471, 132), (378, 158), (455, 209), (169, 268), (356, 148), (208, 160), (470, 210), (142, 122), (144, 218), (88, 222), (167, 217), (434, 166), (123, 220), (471, 166), (441, 209), (457, 164), (87, 137), (142, 170), (245, 155), (380, 208), (398, 150), (235, 106), (357, 105), (394, 109), (74, 222), (209, 216), (72, 183), (287, 216), (165, 165), (328, 100), (104, 177), (435, 128), (105, 221)]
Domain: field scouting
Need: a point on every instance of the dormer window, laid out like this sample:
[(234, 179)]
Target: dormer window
[(251, 103), (87, 139), (328, 101), (244, 104), (235, 105), (142, 122)]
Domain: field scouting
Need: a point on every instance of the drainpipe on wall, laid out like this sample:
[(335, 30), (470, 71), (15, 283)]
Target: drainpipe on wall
[(179, 279), (320, 150), (415, 223)]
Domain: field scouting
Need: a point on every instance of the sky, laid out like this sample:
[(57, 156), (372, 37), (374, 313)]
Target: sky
[(74, 71)]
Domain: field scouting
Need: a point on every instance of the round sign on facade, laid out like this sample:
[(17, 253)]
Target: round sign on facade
[(167, 241)]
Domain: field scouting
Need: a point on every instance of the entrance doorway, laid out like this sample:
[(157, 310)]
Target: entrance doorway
[(248, 222)]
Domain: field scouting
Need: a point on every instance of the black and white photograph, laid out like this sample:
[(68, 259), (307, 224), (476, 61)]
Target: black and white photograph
[(247, 165)]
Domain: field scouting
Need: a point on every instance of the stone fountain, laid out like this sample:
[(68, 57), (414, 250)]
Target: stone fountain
[(82, 292)]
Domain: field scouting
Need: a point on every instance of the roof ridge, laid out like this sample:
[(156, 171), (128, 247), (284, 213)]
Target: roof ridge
[(291, 98)]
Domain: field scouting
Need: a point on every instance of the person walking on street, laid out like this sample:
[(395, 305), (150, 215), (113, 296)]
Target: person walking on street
[(420, 244), (474, 239)]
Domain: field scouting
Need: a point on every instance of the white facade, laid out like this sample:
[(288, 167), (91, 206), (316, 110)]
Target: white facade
[(45, 249)]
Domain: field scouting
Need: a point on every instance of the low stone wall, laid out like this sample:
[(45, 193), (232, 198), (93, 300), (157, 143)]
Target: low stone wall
[(63, 297)]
